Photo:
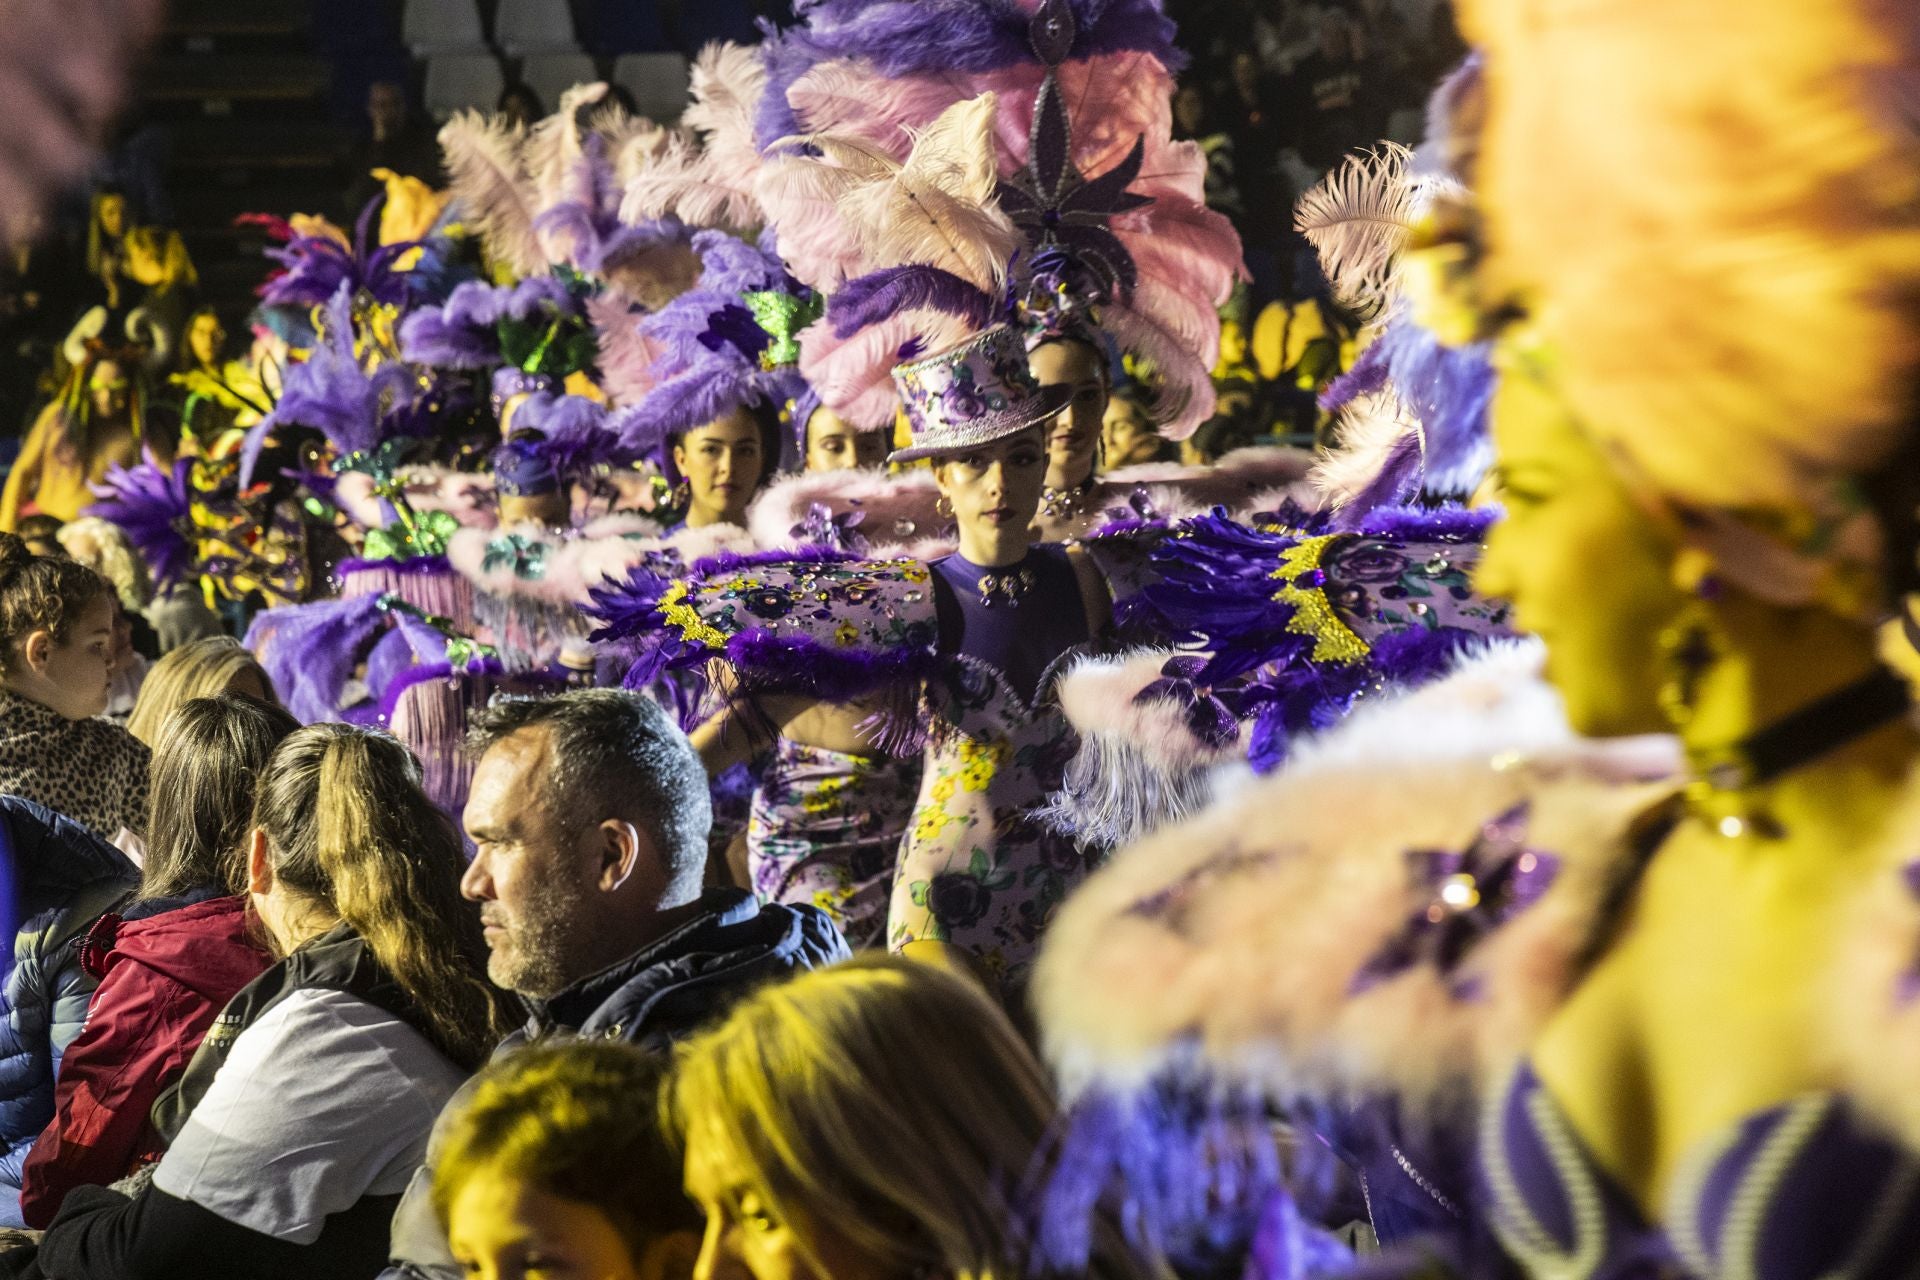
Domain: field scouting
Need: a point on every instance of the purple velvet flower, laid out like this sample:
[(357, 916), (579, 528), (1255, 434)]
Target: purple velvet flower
[(1462, 897), (821, 527), (1365, 560), (1207, 716)]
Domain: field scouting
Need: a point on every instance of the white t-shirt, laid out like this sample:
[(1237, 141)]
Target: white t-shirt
[(322, 1101)]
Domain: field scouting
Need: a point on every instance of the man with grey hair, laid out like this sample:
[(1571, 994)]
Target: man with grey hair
[(589, 815)]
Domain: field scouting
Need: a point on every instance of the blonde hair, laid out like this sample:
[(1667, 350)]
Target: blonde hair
[(579, 1120), (166, 248), (349, 828), (202, 668), (102, 546), (892, 1102)]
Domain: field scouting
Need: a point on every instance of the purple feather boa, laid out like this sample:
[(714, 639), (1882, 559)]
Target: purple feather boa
[(914, 287)]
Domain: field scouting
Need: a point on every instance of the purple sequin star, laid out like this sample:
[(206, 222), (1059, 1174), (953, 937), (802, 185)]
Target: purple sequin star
[(1461, 898)]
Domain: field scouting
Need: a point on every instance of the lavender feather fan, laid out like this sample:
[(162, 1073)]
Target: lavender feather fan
[(152, 506), (309, 651)]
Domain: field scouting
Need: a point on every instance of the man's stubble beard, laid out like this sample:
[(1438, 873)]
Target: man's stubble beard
[(538, 960)]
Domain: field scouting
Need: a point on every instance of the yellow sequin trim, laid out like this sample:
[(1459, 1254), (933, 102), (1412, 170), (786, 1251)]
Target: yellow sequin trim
[(687, 618), (1333, 640)]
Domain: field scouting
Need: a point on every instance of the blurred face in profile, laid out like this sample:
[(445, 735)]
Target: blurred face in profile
[(386, 108), (113, 214)]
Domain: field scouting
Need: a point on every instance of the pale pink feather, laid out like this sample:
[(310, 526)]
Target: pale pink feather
[(801, 197), (854, 375), (486, 175), (705, 176)]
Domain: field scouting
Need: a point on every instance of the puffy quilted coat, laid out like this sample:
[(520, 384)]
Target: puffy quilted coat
[(166, 971), (64, 878)]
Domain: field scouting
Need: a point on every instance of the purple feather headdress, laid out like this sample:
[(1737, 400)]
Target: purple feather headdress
[(316, 267), (153, 507), (577, 435), (727, 344)]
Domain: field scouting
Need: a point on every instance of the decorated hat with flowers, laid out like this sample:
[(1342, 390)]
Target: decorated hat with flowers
[(971, 394)]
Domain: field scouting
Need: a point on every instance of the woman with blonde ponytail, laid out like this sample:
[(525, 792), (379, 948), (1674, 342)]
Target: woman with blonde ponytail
[(307, 1107)]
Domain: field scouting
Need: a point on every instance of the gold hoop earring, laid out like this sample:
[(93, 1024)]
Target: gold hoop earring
[(682, 495), (943, 505)]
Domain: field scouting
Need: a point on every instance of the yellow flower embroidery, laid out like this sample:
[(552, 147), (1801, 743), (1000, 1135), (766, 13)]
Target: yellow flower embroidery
[(826, 798), (677, 612), (846, 635), (1333, 640), (980, 762)]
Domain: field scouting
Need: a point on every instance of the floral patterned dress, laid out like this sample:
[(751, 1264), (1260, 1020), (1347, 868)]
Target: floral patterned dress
[(825, 829)]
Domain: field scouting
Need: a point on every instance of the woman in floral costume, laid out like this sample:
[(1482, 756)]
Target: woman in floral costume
[(966, 647)]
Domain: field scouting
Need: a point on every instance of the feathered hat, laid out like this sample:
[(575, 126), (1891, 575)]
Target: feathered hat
[(550, 197), (1105, 207)]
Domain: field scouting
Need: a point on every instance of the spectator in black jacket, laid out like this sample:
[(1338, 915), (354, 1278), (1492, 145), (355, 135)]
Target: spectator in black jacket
[(589, 815)]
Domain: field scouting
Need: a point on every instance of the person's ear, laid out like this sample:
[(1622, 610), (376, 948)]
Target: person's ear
[(37, 649), (669, 1257), (680, 458), (259, 865), (619, 852)]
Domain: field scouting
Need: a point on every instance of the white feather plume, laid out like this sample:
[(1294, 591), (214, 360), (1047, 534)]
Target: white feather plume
[(937, 208), (1370, 429), (1358, 218)]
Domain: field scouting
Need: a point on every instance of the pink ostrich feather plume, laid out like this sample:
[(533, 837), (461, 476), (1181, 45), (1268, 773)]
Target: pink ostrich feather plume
[(801, 196), (854, 375), (65, 70), (895, 510), (708, 180), (626, 354)]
